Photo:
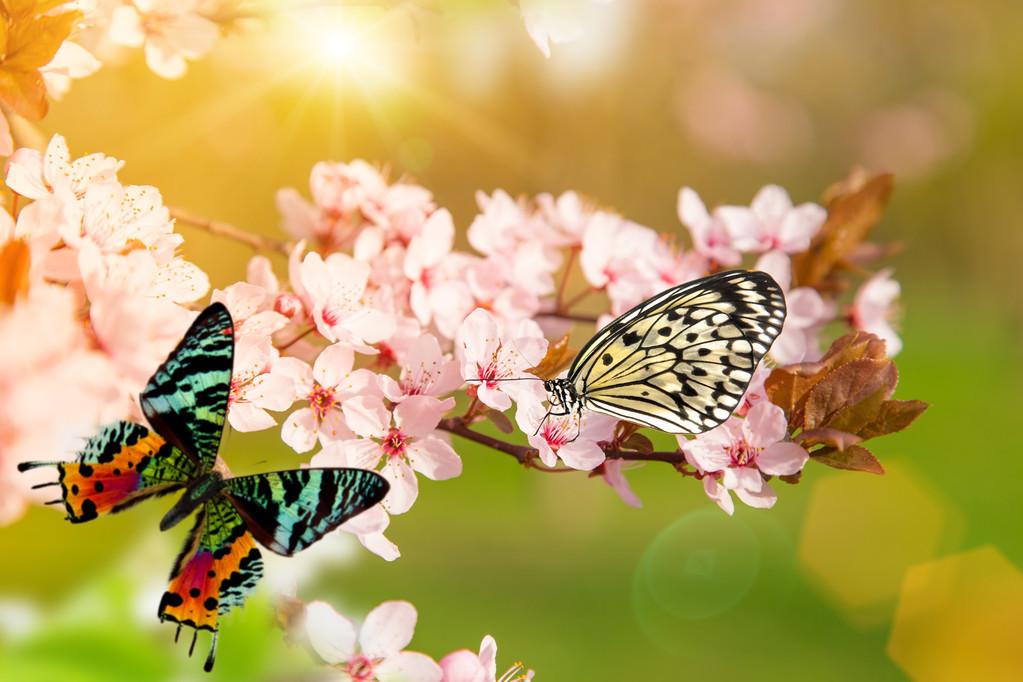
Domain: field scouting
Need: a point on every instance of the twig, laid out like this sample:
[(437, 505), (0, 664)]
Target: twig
[(587, 319), (222, 229)]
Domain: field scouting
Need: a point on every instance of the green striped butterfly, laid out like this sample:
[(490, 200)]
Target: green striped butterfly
[(681, 361), (185, 402)]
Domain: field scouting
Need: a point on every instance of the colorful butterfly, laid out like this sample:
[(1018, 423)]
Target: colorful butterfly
[(185, 402), (680, 361)]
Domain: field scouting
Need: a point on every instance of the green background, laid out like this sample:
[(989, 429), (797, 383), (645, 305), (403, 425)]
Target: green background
[(568, 579)]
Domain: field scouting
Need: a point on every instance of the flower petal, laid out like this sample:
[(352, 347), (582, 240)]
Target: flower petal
[(782, 459), (434, 458), (332, 364), (418, 415), (246, 417), (367, 416), (299, 430), (404, 486), (331, 635), (764, 425), (388, 629), (409, 666)]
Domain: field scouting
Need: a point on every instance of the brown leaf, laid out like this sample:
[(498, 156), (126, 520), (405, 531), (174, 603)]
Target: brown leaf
[(638, 442), (14, 266), (25, 93), (500, 420), (853, 458), (559, 356), (853, 210), (834, 438), (32, 41), (893, 416), (848, 398), (853, 346)]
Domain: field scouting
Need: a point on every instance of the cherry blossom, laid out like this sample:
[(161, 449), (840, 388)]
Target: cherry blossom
[(490, 357), (325, 386), (612, 258), (555, 22), (403, 438), (612, 471), (807, 313), (34, 175), (170, 30), (374, 652), (575, 442), (873, 309), (425, 370), (465, 666), (72, 61), (255, 386), (709, 232), (253, 303), (734, 456), (772, 223), (423, 260)]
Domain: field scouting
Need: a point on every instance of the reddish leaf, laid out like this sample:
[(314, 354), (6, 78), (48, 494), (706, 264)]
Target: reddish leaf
[(849, 397), (853, 458), (559, 356), (638, 442), (14, 265), (830, 437), (893, 416), (24, 92), (500, 420)]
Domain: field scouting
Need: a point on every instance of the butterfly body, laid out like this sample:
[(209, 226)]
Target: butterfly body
[(681, 361), (186, 403)]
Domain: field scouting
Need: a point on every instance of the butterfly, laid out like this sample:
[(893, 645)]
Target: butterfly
[(681, 361), (185, 402)]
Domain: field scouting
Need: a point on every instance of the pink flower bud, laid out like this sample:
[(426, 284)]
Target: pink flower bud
[(288, 305)]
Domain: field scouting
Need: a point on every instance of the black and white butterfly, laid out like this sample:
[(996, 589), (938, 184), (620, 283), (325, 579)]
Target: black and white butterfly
[(681, 361)]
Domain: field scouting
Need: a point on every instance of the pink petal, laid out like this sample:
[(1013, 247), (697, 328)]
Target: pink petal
[(615, 477), (719, 494), (390, 389), (494, 397), (331, 635), (764, 425), (799, 227), (367, 416), (760, 499), (388, 629), (479, 336), (334, 428), (434, 458), (299, 430), (332, 364), (300, 374), (360, 453), (418, 415), (246, 417), (742, 478), (743, 227), (404, 486), (771, 203), (583, 455), (408, 666), (782, 459), (380, 545), (488, 655), (777, 265), (463, 666), (270, 391)]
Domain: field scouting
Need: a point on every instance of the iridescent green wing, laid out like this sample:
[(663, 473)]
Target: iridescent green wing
[(122, 464), (217, 569), (289, 510), (186, 399)]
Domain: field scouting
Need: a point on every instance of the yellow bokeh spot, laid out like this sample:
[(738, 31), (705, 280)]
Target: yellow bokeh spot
[(960, 618), (862, 532)]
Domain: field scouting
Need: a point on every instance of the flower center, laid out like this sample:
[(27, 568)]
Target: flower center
[(487, 374), (394, 443), (743, 454), (322, 399), (360, 669)]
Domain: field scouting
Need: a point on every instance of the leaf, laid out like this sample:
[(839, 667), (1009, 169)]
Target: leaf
[(500, 420), (639, 443), (559, 356), (853, 346), (834, 438), (849, 397), (25, 93), (14, 266), (854, 458), (893, 416), (32, 43), (787, 388), (853, 211)]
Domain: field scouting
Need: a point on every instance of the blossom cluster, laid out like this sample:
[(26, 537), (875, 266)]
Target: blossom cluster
[(376, 650)]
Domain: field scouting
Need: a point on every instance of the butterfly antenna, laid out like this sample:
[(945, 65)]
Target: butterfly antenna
[(212, 656), (480, 381)]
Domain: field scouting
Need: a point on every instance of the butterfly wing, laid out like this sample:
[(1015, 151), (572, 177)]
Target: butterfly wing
[(681, 361), (186, 399), (217, 569), (289, 510), (122, 464)]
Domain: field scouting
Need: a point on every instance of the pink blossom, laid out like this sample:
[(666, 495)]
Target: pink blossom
[(404, 438), (326, 386), (771, 223), (465, 666), (502, 224), (709, 232), (612, 258), (256, 387), (612, 471), (253, 303), (873, 309), (490, 356), (34, 175), (492, 287), (807, 313), (569, 215), (735, 455), (425, 370), (668, 265), (577, 444), (376, 651), (423, 260), (335, 290), (171, 31), (71, 61)]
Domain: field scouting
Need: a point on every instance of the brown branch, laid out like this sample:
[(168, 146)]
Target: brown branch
[(222, 229), (586, 319), (527, 456)]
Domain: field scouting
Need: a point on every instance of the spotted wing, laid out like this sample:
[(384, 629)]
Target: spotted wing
[(289, 510), (681, 361), (186, 399), (122, 464), (217, 569)]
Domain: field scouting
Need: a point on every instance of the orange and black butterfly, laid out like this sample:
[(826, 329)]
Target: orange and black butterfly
[(185, 402)]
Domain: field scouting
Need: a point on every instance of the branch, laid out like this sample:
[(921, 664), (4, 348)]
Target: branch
[(222, 229), (528, 456), (587, 319)]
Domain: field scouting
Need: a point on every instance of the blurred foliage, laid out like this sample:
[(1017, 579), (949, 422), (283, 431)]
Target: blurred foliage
[(555, 567)]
